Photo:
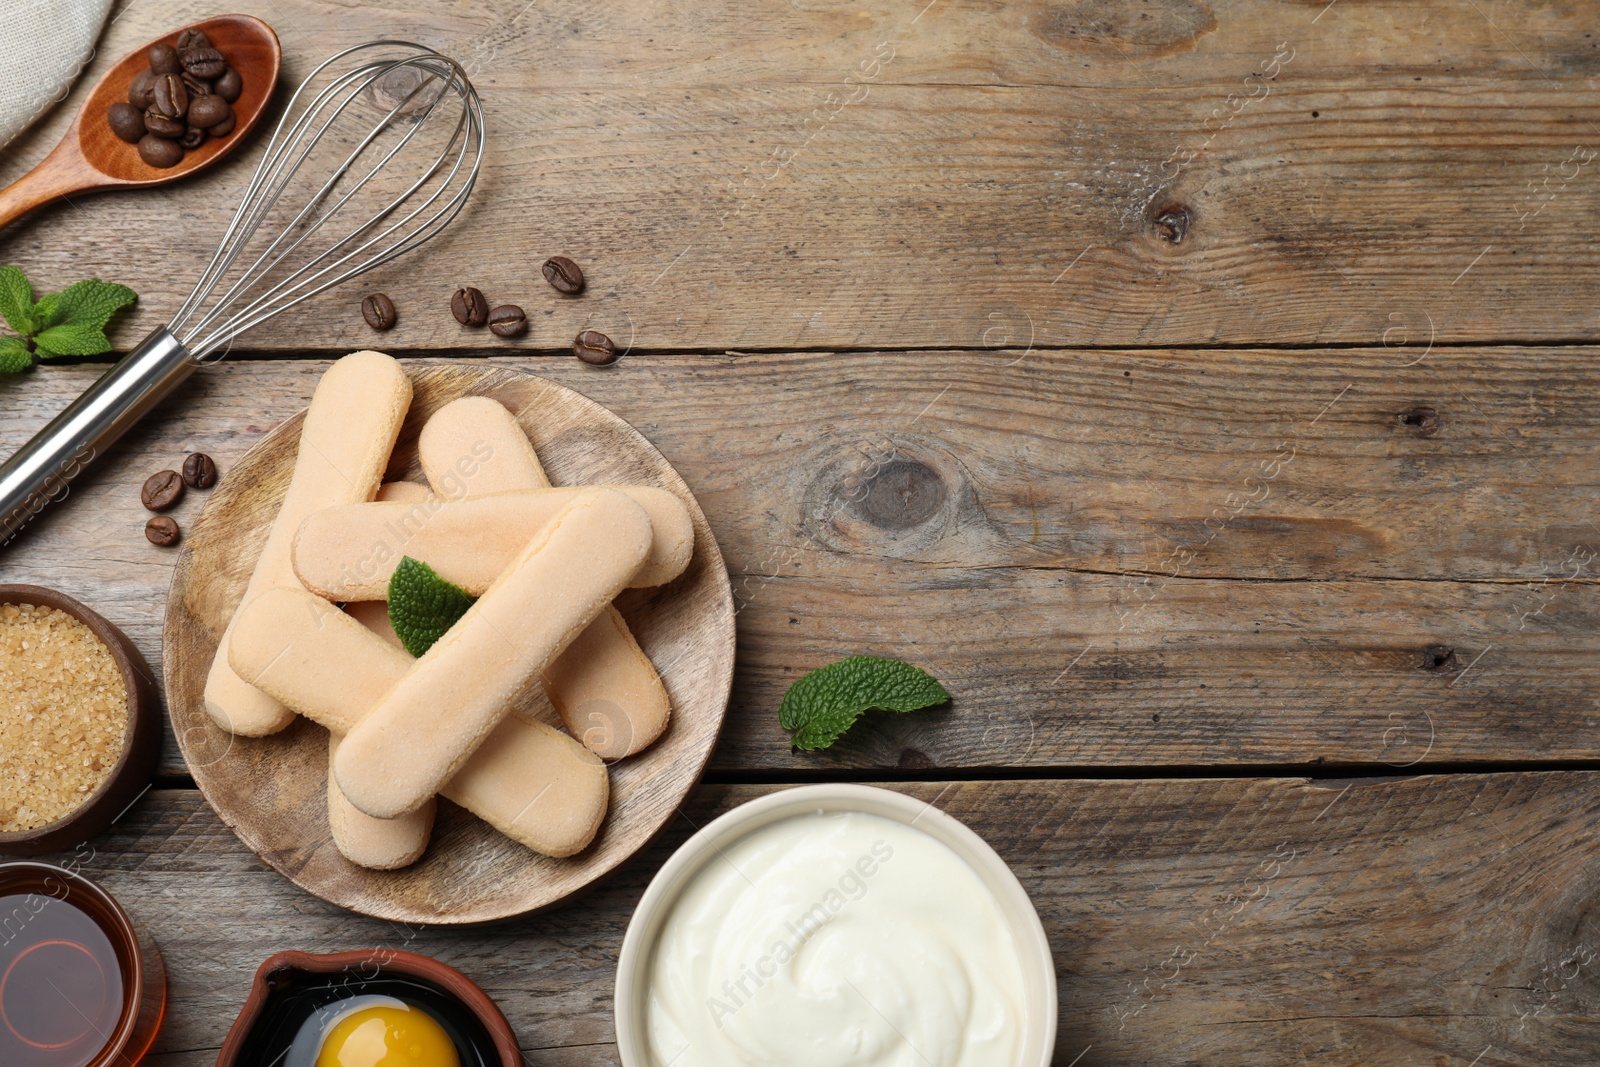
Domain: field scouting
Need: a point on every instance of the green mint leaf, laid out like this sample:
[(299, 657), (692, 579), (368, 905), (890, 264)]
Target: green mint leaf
[(422, 605), (821, 706), (14, 355), (68, 339), (91, 303), (44, 312), (16, 300)]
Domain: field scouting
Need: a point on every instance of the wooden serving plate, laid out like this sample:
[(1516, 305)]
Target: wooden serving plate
[(272, 790)]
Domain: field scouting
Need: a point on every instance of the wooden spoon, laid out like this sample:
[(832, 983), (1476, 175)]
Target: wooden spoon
[(90, 156)]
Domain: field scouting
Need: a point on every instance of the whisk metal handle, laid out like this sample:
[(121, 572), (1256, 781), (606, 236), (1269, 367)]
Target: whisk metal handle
[(42, 469)]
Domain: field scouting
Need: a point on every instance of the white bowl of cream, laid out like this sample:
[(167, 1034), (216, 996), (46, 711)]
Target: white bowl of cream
[(835, 926)]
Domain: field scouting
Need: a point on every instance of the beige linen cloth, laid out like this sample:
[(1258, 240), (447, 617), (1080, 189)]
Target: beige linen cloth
[(43, 46)]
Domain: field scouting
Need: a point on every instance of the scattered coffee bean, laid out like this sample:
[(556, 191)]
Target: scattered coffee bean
[(127, 122), (378, 310), (229, 86), (160, 152), (469, 307), (223, 128), (192, 39), (161, 530), (199, 471), (193, 137), (139, 89), (507, 320), (169, 97), (207, 111), (203, 61), (563, 274), (196, 86), (161, 126), (594, 347), (164, 59), (162, 490)]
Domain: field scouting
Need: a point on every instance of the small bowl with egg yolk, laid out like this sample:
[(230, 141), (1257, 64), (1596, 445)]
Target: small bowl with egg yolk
[(377, 1008)]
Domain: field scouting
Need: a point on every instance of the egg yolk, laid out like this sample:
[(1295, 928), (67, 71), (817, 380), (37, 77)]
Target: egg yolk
[(387, 1037)]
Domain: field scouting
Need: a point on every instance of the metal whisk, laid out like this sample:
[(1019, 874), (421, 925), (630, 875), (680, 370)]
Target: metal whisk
[(377, 152)]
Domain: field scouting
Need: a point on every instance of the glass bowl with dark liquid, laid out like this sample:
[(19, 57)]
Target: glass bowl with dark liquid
[(298, 999), (80, 986)]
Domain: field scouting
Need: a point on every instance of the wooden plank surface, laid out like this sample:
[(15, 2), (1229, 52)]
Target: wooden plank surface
[(987, 255), (1268, 921), (898, 175), (1112, 558)]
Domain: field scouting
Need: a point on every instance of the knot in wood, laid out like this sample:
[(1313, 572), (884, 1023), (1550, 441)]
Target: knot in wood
[(1439, 659), (1420, 419), (1172, 223), (900, 494)]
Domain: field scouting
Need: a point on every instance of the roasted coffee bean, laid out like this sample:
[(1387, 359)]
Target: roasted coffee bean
[(127, 121), (192, 39), (160, 152), (594, 347), (378, 310), (507, 320), (563, 274), (207, 111), (469, 307), (203, 62), (162, 531), (163, 59), (139, 90), (199, 471), (223, 128), (161, 126), (197, 87), (162, 490), (228, 86), (193, 137), (169, 97)]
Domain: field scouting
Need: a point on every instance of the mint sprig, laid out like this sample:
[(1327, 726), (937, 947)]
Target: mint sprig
[(422, 605), (823, 704), (69, 323), (14, 355)]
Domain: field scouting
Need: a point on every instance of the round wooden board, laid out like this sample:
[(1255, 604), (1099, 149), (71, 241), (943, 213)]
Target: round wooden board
[(272, 791)]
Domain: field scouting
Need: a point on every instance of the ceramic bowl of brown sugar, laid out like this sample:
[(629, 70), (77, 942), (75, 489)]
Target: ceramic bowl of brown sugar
[(80, 717)]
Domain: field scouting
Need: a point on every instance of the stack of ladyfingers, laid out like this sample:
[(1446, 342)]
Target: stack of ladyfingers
[(312, 635)]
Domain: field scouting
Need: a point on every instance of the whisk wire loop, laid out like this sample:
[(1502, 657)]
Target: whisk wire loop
[(348, 157)]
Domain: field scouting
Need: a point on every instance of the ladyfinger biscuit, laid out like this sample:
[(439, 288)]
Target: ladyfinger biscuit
[(530, 781), (473, 447), (425, 728), (349, 552), (381, 844), (604, 687), (607, 691), (349, 431)]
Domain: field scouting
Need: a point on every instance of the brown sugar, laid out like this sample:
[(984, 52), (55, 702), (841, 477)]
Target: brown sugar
[(63, 715)]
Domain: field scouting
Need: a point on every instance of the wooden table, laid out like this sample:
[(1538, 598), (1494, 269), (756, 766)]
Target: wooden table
[(1222, 380)]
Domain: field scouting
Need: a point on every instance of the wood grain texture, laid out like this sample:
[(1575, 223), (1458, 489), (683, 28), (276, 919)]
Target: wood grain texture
[(829, 174), (273, 790), (1251, 922), (1017, 531)]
